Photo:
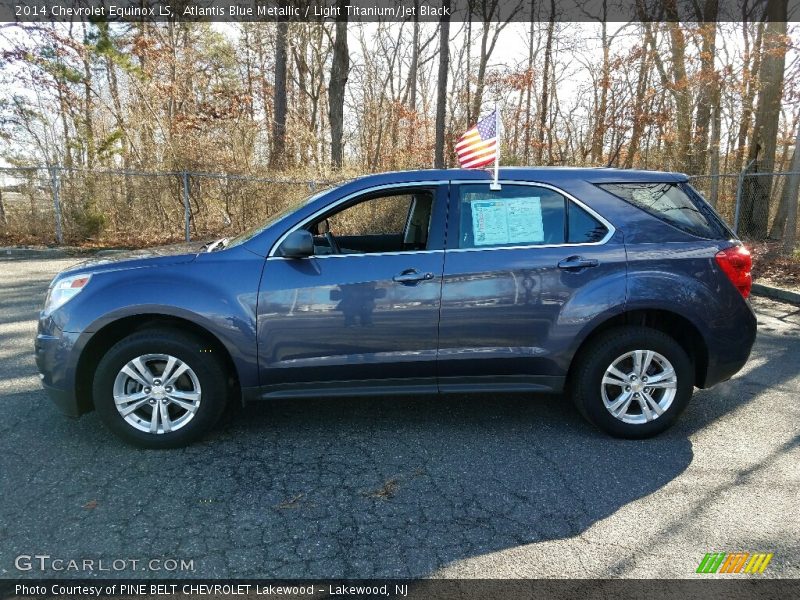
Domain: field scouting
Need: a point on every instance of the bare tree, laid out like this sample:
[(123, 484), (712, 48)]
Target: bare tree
[(340, 69), (708, 88), (792, 200), (493, 24), (763, 143), (441, 97), (788, 197), (548, 51), (278, 154)]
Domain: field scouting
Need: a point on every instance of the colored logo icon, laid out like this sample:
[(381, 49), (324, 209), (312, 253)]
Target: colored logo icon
[(734, 562)]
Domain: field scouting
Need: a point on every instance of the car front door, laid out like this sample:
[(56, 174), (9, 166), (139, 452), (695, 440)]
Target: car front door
[(361, 314), (526, 269)]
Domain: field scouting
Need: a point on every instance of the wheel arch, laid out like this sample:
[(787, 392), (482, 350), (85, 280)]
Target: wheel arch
[(111, 333), (678, 327)]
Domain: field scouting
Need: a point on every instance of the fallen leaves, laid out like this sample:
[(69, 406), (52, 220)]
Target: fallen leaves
[(291, 503), (772, 268), (384, 492)]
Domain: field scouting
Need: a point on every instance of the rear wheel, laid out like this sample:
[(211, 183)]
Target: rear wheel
[(160, 389), (632, 382)]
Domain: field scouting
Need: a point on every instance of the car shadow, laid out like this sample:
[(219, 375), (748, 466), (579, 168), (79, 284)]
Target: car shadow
[(402, 486)]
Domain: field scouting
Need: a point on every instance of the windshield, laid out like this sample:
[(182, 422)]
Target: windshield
[(280, 215)]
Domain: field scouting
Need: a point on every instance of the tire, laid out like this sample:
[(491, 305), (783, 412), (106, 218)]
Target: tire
[(595, 393), (192, 402)]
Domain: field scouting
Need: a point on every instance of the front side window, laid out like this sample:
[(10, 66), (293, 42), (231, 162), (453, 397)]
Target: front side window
[(522, 215), (389, 222)]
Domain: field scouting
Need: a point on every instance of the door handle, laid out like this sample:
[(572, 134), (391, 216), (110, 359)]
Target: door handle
[(412, 276), (577, 262)]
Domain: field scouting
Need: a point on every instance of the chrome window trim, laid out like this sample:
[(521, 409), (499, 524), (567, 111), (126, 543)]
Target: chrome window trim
[(323, 256), (377, 188), (427, 183), (611, 229)]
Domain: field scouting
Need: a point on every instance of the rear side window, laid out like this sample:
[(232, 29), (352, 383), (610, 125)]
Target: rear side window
[(671, 204), (583, 227), (515, 216), (523, 215)]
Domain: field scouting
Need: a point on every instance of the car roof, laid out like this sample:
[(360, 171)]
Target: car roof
[(537, 174)]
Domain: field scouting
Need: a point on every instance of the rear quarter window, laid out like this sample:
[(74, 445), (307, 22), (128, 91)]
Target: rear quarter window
[(670, 203)]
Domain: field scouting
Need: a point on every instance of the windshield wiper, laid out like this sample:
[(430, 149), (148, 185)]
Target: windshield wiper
[(215, 245)]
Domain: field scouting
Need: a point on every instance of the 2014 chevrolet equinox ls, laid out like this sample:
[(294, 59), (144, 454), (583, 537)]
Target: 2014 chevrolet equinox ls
[(623, 288)]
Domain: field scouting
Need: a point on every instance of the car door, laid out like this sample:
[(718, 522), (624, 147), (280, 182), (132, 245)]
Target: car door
[(526, 268), (365, 318)]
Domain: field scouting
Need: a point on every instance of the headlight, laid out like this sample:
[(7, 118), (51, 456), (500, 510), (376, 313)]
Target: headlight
[(64, 290)]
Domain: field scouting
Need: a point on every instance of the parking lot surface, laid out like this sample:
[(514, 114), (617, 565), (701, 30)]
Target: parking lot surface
[(478, 486)]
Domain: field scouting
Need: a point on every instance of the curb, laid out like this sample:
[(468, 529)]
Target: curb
[(776, 293), (62, 252), (34, 251)]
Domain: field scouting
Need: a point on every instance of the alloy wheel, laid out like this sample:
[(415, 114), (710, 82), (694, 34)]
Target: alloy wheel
[(639, 386), (157, 393)]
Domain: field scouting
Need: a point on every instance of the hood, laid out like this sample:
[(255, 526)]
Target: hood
[(115, 260)]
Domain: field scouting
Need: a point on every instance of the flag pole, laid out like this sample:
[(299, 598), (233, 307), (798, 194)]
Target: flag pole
[(495, 185)]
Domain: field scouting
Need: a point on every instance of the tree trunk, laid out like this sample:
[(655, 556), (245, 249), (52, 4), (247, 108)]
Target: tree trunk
[(680, 90), (714, 149), (529, 88), (708, 85), (756, 191), (468, 72), (791, 193), (748, 91), (412, 71), (638, 109), (548, 49), (477, 99), (776, 232), (599, 132), (278, 155), (441, 96), (340, 70)]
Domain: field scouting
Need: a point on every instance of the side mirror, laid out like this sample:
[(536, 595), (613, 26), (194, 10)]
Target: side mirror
[(298, 244)]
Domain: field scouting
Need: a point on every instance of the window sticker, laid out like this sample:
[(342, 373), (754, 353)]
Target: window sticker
[(525, 220), (489, 222), (507, 221)]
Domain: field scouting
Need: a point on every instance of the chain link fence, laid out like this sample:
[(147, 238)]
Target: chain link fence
[(47, 205), (757, 206)]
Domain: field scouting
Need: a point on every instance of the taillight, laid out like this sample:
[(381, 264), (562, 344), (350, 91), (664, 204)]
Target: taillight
[(736, 263)]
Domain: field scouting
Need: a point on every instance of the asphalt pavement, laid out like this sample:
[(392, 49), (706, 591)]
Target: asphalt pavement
[(478, 486)]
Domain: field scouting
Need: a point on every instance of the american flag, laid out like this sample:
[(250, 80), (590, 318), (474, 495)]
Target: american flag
[(478, 146)]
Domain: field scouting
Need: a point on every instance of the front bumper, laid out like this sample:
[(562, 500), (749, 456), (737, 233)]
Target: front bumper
[(54, 360), (64, 400)]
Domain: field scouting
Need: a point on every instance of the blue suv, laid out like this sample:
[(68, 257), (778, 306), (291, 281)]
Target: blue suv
[(622, 288)]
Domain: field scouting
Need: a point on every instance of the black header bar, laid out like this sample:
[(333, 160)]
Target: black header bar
[(395, 10)]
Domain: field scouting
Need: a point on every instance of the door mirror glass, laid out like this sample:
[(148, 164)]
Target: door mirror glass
[(298, 244)]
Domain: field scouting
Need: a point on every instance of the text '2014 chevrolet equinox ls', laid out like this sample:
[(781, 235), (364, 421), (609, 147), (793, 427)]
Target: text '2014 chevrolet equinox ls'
[(622, 288)]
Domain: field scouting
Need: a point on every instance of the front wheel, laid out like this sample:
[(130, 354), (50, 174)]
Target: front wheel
[(632, 382), (159, 389)]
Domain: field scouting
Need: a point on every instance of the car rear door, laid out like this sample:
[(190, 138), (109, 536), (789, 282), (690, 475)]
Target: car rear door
[(526, 269), (360, 320)]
